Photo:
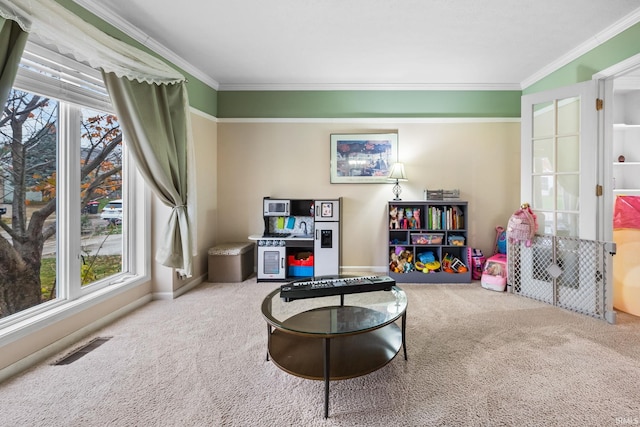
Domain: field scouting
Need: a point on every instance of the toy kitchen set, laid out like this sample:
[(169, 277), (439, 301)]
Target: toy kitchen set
[(301, 238)]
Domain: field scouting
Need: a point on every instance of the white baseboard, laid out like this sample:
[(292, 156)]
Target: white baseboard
[(180, 291), (354, 269)]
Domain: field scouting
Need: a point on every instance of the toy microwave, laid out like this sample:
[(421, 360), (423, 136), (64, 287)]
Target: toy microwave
[(276, 207)]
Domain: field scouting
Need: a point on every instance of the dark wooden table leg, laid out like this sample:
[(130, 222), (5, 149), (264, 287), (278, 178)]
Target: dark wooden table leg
[(268, 339), (404, 330), (326, 377)]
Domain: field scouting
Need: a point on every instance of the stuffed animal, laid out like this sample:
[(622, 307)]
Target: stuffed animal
[(408, 212), (406, 260), (401, 260), (393, 264), (401, 218), (393, 214)]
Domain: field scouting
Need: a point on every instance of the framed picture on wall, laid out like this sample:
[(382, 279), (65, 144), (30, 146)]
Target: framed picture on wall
[(362, 158)]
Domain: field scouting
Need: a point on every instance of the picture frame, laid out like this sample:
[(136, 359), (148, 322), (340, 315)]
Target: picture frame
[(326, 210), (364, 158)]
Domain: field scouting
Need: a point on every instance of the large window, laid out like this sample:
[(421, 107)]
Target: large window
[(68, 196)]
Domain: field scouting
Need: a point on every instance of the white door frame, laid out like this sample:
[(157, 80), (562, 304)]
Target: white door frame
[(606, 80)]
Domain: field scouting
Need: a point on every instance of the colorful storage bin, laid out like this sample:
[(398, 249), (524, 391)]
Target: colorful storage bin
[(426, 239), (300, 267)]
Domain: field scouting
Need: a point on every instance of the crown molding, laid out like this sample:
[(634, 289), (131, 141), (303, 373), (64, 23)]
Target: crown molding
[(373, 86), (619, 68), (108, 15), (595, 41)]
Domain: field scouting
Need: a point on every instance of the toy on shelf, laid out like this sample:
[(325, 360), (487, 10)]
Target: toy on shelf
[(401, 260), (456, 240), (427, 262), (416, 219), (451, 264), (411, 221), (393, 215), (408, 214), (402, 221)]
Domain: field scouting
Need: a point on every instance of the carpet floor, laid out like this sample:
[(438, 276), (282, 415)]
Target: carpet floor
[(475, 358)]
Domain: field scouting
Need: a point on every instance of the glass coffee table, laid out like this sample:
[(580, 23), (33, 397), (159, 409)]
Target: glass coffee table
[(335, 337)]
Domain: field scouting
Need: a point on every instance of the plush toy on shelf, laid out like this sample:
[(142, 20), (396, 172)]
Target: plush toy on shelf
[(401, 260), (416, 219), (393, 222), (406, 222)]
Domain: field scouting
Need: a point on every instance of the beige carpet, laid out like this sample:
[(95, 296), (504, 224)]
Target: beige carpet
[(476, 358)]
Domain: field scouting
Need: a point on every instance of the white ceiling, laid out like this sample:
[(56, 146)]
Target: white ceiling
[(369, 44)]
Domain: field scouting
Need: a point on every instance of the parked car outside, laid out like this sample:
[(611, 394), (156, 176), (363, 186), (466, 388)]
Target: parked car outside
[(112, 211)]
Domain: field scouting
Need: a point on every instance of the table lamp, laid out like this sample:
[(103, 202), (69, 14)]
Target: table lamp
[(397, 173)]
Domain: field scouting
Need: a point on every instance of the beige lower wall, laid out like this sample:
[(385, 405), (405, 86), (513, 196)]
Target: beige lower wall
[(481, 158), (205, 135)]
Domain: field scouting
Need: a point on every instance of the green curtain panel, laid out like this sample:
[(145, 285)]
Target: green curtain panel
[(154, 121), (12, 43)]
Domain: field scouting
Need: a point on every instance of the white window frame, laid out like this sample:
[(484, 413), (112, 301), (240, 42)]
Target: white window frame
[(72, 297)]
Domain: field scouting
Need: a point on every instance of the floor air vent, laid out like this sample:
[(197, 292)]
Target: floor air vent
[(78, 353)]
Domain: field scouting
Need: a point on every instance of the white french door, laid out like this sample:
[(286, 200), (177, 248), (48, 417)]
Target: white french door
[(559, 178), (559, 159)]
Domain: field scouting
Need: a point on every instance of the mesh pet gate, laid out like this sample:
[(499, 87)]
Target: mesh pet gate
[(567, 272)]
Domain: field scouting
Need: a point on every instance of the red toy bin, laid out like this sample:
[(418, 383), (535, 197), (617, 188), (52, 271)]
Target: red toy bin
[(305, 262), (300, 267)]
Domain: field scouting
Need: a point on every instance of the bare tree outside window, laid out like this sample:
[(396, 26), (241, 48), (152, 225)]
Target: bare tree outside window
[(28, 177)]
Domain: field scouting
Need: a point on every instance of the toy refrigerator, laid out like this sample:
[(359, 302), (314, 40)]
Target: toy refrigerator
[(326, 241)]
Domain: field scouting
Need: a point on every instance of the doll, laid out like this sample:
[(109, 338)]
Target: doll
[(416, 217), (406, 223)]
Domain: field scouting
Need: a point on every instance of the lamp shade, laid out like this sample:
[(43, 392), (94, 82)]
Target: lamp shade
[(397, 172)]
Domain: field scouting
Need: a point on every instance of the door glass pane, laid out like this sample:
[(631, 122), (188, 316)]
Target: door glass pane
[(555, 170), (543, 192), (543, 156), (102, 219), (569, 116), (546, 223), (569, 154), (568, 224), (28, 169), (568, 192), (543, 120)]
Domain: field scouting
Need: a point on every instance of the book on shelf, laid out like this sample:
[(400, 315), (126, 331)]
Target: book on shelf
[(445, 218)]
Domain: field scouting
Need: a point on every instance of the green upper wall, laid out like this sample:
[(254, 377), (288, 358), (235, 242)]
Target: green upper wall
[(611, 52), (363, 104), (201, 96)]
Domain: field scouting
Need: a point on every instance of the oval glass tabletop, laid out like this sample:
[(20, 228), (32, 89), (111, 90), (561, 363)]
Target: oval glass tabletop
[(326, 316)]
